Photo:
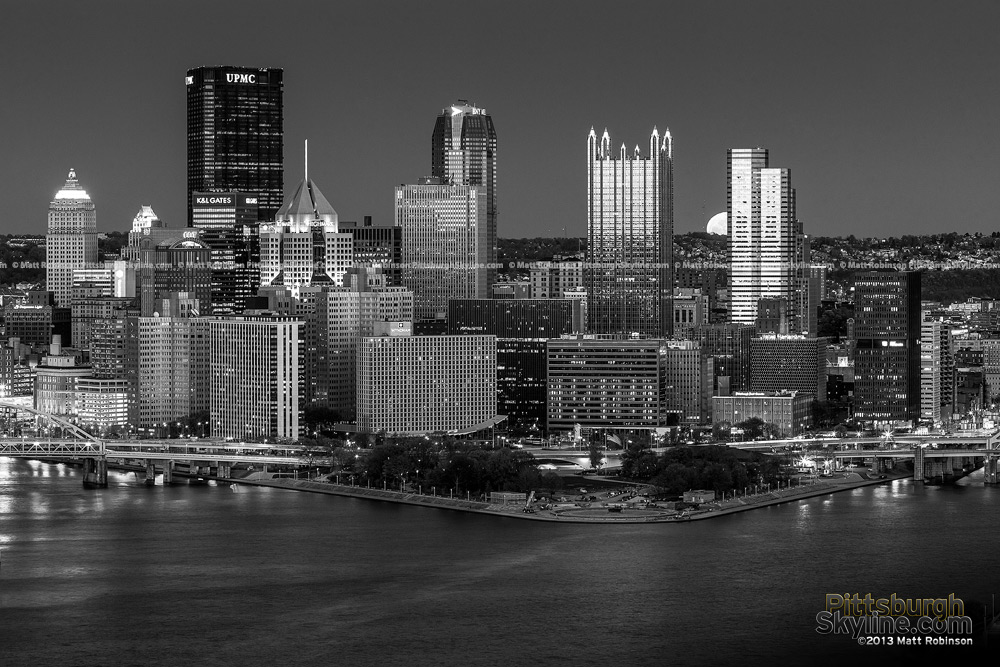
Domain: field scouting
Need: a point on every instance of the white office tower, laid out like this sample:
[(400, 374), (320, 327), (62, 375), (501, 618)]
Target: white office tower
[(930, 371), (304, 246), (71, 241), (767, 250), (344, 315), (423, 384), (255, 377), (173, 363)]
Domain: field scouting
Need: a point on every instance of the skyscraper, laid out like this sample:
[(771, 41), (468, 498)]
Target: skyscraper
[(304, 246), (228, 224), (71, 241), (445, 248), (235, 134), (464, 152), (766, 246), (421, 384), (630, 229), (344, 315), (255, 376), (887, 320)]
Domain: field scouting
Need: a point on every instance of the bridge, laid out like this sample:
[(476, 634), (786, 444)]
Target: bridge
[(935, 456), (194, 457)]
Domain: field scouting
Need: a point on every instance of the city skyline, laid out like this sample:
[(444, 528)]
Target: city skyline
[(857, 105)]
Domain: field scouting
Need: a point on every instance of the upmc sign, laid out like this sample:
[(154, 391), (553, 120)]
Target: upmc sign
[(240, 78)]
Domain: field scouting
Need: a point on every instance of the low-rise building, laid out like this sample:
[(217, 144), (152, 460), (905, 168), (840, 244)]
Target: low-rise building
[(788, 412)]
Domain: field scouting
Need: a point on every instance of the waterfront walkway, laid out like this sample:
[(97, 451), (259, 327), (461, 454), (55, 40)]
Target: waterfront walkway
[(585, 512)]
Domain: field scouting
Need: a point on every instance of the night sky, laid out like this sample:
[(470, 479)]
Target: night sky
[(886, 112)]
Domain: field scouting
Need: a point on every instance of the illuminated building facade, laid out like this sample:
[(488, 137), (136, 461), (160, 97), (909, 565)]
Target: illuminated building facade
[(71, 241), (464, 152), (235, 134), (630, 227), (767, 250), (174, 364), (304, 246), (423, 384), (343, 316), (606, 381), (256, 377), (228, 224), (445, 247)]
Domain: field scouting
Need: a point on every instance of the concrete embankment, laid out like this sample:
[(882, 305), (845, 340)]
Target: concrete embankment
[(819, 488), (581, 514)]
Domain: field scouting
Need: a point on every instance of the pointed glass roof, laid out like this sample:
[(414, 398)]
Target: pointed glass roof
[(307, 206)]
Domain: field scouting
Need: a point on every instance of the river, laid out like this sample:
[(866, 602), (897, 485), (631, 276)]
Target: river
[(136, 575)]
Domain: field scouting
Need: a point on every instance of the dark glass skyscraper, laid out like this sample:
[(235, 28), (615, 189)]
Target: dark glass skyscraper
[(887, 321), (235, 134)]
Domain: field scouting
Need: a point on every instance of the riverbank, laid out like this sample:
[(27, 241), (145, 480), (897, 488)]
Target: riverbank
[(584, 512)]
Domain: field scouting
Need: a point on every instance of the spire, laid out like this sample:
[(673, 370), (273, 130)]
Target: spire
[(307, 207)]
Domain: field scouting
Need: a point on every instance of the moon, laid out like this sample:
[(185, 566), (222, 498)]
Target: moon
[(717, 225)]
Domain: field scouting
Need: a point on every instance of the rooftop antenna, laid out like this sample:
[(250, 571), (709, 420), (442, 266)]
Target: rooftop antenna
[(307, 160)]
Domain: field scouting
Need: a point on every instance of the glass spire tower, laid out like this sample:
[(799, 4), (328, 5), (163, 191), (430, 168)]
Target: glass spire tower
[(630, 234)]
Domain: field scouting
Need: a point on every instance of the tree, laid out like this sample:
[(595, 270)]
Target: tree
[(720, 430), (596, 455), (753, 428)]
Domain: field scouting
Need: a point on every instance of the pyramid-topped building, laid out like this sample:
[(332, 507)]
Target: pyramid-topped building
[(71, 238), (307, 207), (304, 246)]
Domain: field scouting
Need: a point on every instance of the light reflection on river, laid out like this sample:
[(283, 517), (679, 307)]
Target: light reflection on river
[(208, 574)]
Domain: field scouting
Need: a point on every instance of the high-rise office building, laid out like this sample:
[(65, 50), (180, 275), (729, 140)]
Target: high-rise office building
[(174, 362), (606, 381), (255, 376), (930, 371), (689, 374), (464, 152), (235, 134), (791, 362), (36, 320), (228, 225), (887, 320), (182, 263), (377, 247), (445, 247), (630, 228), (345, 315), (71, 241), (522, 327), (767, 250), (729, 347), (304, 246), (422, 384)]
